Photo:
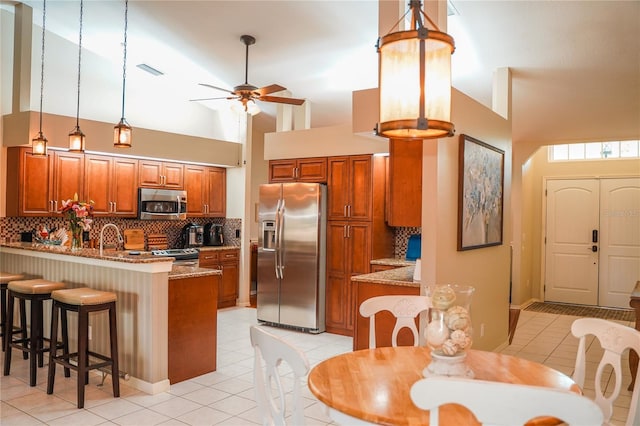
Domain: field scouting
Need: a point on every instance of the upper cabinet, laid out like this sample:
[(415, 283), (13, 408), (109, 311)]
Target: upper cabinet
[(36, 185), (298, 170), (350, 188), (112, 184), (160, 174), (206, 191), (404, 184)]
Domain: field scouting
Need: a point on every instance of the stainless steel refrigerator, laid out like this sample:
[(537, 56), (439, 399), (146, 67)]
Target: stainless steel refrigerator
[(291, 255)]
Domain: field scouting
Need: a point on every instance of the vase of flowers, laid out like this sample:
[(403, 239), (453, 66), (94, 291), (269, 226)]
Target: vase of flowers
[(79, 214)]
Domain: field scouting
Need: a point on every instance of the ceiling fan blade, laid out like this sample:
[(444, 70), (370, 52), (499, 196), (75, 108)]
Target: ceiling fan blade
[(282, 100), (212, 99), (215, 87), (272, 88)]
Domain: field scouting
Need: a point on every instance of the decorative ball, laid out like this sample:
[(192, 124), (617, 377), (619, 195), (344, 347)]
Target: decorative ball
[(449, 348), (437, 333), (460, 338), (457, 318), (443, 297)]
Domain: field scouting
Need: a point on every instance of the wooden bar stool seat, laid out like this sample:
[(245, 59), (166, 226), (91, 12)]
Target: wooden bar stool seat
[(5, 277), (36, 292), (83, 301)]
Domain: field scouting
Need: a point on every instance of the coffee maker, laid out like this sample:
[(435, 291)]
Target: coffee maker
[(192, 235), (213, 235)]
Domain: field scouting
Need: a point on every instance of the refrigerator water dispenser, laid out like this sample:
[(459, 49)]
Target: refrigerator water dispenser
[(269, 235)]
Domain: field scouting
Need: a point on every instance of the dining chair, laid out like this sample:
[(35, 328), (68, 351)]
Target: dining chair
[(504, 404), (404, 307), (270, 351), (615, 339)]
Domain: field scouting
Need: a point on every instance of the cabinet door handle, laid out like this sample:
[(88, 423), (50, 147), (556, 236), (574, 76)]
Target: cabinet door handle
[(344, 211), (115, 208), (50, 205), (349, 210), (348, 231), (55, 205), (344, 231)]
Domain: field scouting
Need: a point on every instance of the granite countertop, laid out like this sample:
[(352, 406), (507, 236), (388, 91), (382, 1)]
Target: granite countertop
[(112, 255), (393, 262), (214, 248), (180, 272), (399, 276)]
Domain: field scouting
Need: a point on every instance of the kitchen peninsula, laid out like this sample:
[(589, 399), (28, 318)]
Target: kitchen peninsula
[(160, 307)]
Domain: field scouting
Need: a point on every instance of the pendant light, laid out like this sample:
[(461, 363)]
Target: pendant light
[(415, 80), (122, 131), (39, 143), (76, 137)]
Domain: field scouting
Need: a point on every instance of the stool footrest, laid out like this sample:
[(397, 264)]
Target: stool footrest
[(66, 361)]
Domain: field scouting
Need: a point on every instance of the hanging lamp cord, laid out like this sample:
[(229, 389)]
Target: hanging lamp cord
[(44, 14), (124, 62), (79, 62)]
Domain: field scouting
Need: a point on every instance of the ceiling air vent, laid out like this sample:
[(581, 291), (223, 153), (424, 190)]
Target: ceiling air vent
[(150, 69)]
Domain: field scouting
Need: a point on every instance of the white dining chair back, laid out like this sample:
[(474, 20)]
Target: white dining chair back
[(404, 308), (614, 339), (270, 351), (504, 404)]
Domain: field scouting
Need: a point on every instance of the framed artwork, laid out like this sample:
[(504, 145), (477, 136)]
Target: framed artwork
[(480, 194)]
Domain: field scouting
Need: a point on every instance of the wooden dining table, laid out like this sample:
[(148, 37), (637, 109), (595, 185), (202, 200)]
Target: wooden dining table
[(372, 385)]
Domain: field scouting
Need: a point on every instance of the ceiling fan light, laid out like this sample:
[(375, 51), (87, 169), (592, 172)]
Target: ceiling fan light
[(252, 108), (122, 134), (415, 82)]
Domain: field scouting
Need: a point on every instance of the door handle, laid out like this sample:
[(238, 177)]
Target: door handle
[(594, 236), (594, 248)]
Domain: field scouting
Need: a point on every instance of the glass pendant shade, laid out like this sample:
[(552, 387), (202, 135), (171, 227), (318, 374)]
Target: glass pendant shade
[(415, 84), (39, 144), (122, 134), (76, 140)]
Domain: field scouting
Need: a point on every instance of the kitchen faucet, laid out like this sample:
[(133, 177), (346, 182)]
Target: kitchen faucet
[(120, 240)]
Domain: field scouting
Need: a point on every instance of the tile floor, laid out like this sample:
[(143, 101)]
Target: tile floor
[(225, 397)]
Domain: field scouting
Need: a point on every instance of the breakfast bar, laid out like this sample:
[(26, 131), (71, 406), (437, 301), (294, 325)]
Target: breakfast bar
[(142, 284)]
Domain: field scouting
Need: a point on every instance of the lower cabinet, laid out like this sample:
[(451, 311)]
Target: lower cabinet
[(228, 261), (192, 327), (385, 321), (348, 254)]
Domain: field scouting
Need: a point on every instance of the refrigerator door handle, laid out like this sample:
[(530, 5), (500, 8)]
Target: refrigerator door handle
[(280, 229), (277, 241)]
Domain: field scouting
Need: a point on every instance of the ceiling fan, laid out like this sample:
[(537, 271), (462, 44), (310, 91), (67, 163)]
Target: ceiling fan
[(247, 93)]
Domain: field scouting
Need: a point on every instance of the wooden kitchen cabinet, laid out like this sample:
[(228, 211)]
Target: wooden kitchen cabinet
[(356, 232), (37, 185), (385, 320), (192, 327), (161, 174), (404, 183), (349, 255), (227, 260), (298, 170), (350, 188), (112, 184), (206, 191)]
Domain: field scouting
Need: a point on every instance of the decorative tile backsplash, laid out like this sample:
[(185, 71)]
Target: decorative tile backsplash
[(401, 238), (11, 227)]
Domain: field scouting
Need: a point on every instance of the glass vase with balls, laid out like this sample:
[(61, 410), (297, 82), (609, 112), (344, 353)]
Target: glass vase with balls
[(449, 332)]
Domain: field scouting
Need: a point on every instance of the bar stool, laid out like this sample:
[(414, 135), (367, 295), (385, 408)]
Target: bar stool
[(83, 301), (35, 291), (5, 277)]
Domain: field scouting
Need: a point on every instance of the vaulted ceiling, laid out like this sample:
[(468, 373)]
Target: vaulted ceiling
[(575, 64)]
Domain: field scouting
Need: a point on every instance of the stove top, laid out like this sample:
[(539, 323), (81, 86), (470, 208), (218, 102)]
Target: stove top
[(179, 254)]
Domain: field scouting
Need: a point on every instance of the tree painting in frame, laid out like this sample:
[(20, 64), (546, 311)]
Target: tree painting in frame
[(480, 194)]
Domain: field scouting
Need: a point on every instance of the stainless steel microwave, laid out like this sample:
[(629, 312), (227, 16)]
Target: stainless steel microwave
[(162, 204)]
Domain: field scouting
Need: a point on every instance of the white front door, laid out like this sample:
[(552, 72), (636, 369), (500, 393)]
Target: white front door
[(619, 240), (571, 267), (592, 254)]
